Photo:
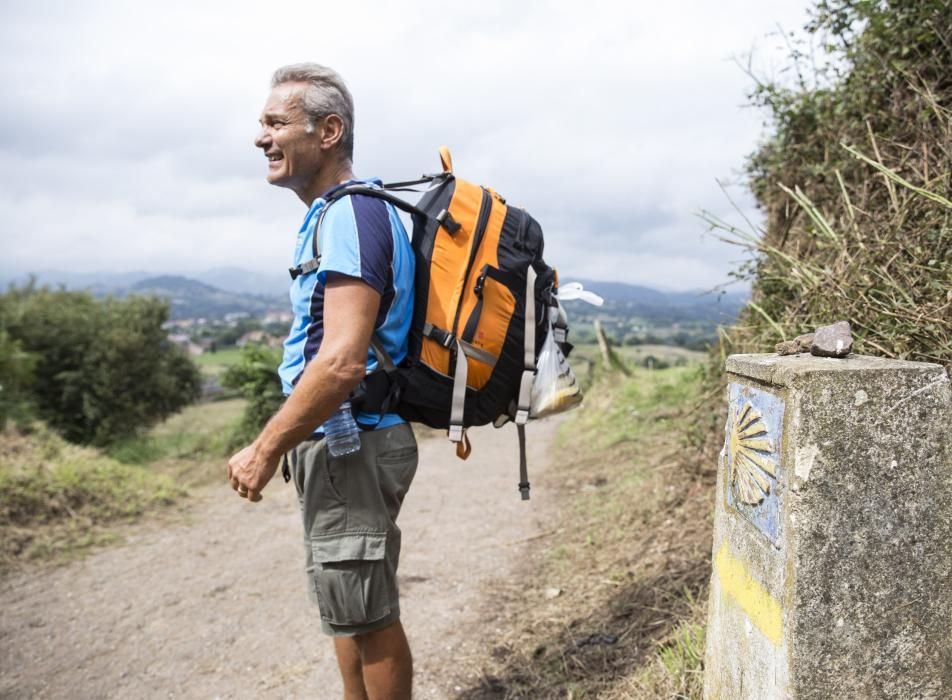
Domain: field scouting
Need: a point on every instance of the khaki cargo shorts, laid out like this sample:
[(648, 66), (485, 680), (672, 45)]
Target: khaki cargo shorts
[(352, 543)]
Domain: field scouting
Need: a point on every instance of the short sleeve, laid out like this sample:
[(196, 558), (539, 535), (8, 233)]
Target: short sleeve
[(357, 241)]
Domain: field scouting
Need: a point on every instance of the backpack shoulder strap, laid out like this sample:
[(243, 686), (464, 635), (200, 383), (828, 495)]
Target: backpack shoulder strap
[(443, 219)]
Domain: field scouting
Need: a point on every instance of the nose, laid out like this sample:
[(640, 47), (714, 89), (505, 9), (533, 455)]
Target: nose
[(263, 139)]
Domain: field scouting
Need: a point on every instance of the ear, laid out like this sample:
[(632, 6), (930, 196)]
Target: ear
[(331, 131)]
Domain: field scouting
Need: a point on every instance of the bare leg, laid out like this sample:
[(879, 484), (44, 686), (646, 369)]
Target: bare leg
[(387, 663), (351, 671)]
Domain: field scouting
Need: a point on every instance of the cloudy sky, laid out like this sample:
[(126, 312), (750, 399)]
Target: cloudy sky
[(126, 137)]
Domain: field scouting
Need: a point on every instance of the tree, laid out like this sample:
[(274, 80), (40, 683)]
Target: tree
[(102, 368)]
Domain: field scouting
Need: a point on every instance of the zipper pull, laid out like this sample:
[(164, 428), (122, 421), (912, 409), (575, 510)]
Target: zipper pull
[(480, 281)]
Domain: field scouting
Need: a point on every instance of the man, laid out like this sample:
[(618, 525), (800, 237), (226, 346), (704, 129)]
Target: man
[(363, 286)]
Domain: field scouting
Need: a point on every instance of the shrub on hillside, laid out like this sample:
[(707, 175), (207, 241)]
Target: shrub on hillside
[(16, 375), (854, 181), (55, 496), (102, 369), (255, 377)]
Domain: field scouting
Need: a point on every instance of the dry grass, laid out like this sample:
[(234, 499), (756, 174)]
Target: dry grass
[(58, 499), (628, 553), (191, 447), (855, 183)]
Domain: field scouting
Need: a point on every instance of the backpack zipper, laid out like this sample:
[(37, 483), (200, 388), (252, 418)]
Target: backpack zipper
[(481, 222)]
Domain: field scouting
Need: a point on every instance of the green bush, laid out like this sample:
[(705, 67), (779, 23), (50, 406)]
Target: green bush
[(16, 375), (854, 181), (255, 377), (102, 368)]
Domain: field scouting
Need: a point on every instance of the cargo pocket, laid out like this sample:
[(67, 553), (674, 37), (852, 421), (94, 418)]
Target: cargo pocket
[(351, 578)]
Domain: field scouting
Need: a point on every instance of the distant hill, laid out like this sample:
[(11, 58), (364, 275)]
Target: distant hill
[(656, 306), (190, 298), (214, 293), (235, 279), (229, 279)]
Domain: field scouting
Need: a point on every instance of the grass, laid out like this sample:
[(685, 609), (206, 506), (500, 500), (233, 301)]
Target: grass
[(57, 499), (214, 364), (630, 558), (191, 446)]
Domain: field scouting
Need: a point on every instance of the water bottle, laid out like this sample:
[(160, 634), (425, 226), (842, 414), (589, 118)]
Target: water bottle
[(341, 432)]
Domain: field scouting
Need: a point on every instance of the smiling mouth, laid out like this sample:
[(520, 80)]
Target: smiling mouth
[(275, 157)]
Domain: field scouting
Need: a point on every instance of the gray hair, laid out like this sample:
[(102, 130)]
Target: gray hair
[(326, 94)]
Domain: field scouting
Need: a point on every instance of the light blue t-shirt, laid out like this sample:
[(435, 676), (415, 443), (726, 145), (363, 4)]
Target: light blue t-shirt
[(361, 237)]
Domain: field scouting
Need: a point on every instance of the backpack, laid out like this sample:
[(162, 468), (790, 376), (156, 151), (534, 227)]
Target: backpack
[(481, 311)]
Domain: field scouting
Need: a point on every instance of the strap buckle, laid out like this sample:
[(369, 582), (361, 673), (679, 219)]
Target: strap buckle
[(447, 221), (304, 267), (456, 433), (444, 338), (522, 416), (524, 490)]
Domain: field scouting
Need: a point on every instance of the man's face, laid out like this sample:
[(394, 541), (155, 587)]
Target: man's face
[(294, 155)]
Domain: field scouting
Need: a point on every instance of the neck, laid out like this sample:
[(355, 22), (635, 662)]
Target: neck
[(325, 178)]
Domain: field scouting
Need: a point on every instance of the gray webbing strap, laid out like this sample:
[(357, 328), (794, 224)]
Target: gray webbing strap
[(315, 262), (383, 357), (523, 468), (525, 384), (447, 340), (435, 333), (457, 431), (487, 358)]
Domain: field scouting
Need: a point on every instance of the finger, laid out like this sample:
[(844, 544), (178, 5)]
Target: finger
[(242, 491), (254, 496)]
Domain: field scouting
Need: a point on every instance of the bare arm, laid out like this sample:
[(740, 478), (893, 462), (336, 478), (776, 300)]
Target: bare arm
[(350, 310)]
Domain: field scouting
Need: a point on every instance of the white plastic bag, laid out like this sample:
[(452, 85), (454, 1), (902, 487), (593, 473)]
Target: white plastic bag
[(574, 290), (554, 388)]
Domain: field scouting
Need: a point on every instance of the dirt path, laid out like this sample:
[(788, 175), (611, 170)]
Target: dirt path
[(215, 607)]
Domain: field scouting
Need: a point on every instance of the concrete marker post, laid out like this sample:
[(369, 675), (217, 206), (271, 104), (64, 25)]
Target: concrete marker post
[(833, 531)]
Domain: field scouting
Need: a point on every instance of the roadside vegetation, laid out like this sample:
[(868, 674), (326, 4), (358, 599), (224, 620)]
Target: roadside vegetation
[(98, 423), (854, 180), (94, 370), (614, 604), (58, 499)]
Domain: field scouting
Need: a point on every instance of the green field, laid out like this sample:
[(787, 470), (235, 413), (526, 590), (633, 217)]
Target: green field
[(214, 364)]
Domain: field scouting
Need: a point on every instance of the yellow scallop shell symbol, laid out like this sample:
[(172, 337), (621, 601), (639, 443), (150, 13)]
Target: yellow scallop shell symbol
[(749, 450)]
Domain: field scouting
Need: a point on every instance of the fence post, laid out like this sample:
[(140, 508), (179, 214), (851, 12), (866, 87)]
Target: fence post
[(832, 550)]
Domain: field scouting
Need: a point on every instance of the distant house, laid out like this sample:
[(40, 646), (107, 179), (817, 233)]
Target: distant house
[(258, 338), (278, 317), (186, 343), (233, 318)]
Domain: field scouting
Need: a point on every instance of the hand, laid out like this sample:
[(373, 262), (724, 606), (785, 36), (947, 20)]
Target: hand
[(249, 471)]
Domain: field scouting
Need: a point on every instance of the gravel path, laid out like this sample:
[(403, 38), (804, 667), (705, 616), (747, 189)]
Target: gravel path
[(215, 606)]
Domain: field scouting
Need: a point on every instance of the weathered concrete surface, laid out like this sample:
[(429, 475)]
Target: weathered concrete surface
[(853, 597)]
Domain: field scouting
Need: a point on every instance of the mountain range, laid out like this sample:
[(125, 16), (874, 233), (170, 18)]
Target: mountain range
[(215, 293)]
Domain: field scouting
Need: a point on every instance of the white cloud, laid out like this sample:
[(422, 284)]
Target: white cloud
[(127, 142)]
